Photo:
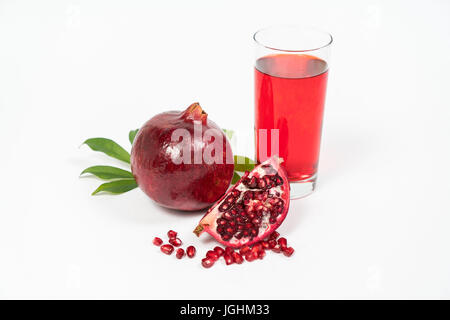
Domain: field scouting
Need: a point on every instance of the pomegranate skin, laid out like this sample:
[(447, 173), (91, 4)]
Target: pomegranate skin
[(188, 187)]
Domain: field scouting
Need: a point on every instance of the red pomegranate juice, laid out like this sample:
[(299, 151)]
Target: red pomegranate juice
[(290, 96)]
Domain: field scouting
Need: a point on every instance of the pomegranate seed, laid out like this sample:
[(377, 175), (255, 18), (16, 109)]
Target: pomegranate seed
[(288, 251), (244, 250), (207, 263), (180, 253), (256, 221), (274, 235), (253, 182), (282, 242), (229, 250), (261, 254), (272, 244), (228, 259), (219, 250), (251, 256), (175, 242), (157, 241), (277, 249), (167, 249), (190, 251), (212, 255), (237, 258), (226, 237), (265, 244), (172, 234), (235, 193), (258, 247), (221, 222)]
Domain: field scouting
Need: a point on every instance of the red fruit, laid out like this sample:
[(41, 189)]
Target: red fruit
[(244, 250), (288, 251), (249, 213), (229, 250), (219, 250), (167, 249), (265, 244), (157, 241), (251, 256), (208, 263), (212, 255), (272, 244), (169, 166), (277, 249), (172, 234), (261, 255), (274, 235), (237, 258), (180, 253), (175, 242), (257, 247), (228, 259), (282, 242), (190, 251)]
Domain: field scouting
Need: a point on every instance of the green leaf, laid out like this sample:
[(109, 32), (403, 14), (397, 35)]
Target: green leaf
[(228, 133), (242, 164), (108, 147), (132, 134), (108, 172), (236, 178), (117, 187)]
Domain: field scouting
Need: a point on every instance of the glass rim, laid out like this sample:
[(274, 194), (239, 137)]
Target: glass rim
[(293, 26)]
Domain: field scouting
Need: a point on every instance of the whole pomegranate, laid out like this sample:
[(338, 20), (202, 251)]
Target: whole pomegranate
[(252, 210), (168, 159)]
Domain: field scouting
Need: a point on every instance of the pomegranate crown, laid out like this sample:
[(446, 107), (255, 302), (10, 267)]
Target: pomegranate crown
[(195, 113)]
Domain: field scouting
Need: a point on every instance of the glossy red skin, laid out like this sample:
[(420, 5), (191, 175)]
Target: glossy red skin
[(188, 187)]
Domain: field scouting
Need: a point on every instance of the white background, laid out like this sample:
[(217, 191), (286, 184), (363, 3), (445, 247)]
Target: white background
[(377, 226)]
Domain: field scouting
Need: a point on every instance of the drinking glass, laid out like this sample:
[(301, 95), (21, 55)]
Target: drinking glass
[(291, 71)]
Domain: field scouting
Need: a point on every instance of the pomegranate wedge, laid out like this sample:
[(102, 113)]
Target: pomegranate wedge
[(252, 209)]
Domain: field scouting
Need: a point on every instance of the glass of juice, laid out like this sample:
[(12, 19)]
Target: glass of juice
[(291, 72)]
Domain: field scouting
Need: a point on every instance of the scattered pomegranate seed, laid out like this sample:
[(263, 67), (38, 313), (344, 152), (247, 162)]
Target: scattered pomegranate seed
[(228, 259), (212, 255), (167, 249), (251, 256), (175, 242), (265, 244), (288, 251), (261, 254), (277, 249), (180, 253), (237, 258), (256, 250), (207, 263), (249, 253), (219, 250), (157, 241), (190, 251), (257, 247), (282, 242), (274, 235), (244, 250), (172, 234), (272, 243)]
